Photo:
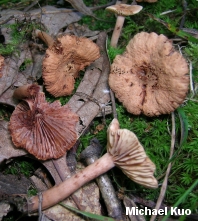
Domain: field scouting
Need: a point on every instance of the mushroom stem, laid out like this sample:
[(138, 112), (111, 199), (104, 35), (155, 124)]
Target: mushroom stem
[(117, 30), (113, 205), (60, 192), (26, 91), (49, 41)]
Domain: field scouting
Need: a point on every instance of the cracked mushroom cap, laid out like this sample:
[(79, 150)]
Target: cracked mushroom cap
[(1, 65), (151, 77), (68, 55), (124, 9), (129, 155), (46, 130)]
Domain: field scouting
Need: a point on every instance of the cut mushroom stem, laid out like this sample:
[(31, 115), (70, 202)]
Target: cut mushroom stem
[(26, 91), (123, 150), (49, 41)]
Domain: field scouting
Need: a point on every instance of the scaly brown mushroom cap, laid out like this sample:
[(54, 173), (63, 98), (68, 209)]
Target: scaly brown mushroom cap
[(63, 61), (46, 130), (129, 155), (1, 65), (150, 77)]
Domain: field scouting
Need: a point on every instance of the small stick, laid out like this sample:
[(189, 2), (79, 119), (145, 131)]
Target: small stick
[(49, 41)]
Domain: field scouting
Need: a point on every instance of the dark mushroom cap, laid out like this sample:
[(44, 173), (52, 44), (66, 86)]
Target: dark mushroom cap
[(124, 9), (1, 65), (46, 130), (63, 61), (151, 77)]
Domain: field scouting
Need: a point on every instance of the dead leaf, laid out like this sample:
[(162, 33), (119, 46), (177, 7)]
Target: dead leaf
[(54, 18), (7, 148)]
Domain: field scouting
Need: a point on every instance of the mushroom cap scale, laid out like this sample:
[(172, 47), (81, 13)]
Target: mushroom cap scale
[(124, 9), (63, 61), (45, 130), (154, 79), (129, 155)]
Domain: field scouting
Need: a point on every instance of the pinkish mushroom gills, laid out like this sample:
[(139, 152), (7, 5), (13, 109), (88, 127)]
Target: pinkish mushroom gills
[(150, 77), (46, 130)]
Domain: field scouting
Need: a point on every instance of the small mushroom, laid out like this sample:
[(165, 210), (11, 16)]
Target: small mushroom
[(150, 77), (149, 1), (64, 60), (123, 150), (121, 10), (46, 130), (1, 65), (26, 91)]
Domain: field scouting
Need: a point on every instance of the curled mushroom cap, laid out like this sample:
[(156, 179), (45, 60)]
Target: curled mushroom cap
[(1, 65), (45, 130), (129, 155), (63, 61), (150, 77)]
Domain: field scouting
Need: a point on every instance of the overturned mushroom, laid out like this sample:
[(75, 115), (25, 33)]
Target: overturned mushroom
[(121, 10), (123, 150), (1, 65), (64, 60), (151, 77), (45, 130)]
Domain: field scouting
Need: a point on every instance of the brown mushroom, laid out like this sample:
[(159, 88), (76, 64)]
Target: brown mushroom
[(26, 91), (64, 60), (46, 130), (1, 65), (149, 1), (121, 10), (123, 150), (151, 77)]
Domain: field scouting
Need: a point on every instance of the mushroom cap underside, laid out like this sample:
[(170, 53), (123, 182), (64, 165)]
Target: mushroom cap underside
[(46, 130), (63, 61), (150, 77), (129, 155)]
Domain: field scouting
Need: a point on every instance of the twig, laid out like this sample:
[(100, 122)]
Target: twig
[(164, 185), (184, 4), (7, 20), (30, 6)]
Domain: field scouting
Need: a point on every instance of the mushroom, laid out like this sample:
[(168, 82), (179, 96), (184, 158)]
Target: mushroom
[(150, 77), (121, 10), (123, 150), (46, 130), (1, 65), (64, 60), (149, 1), (26, 91)]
